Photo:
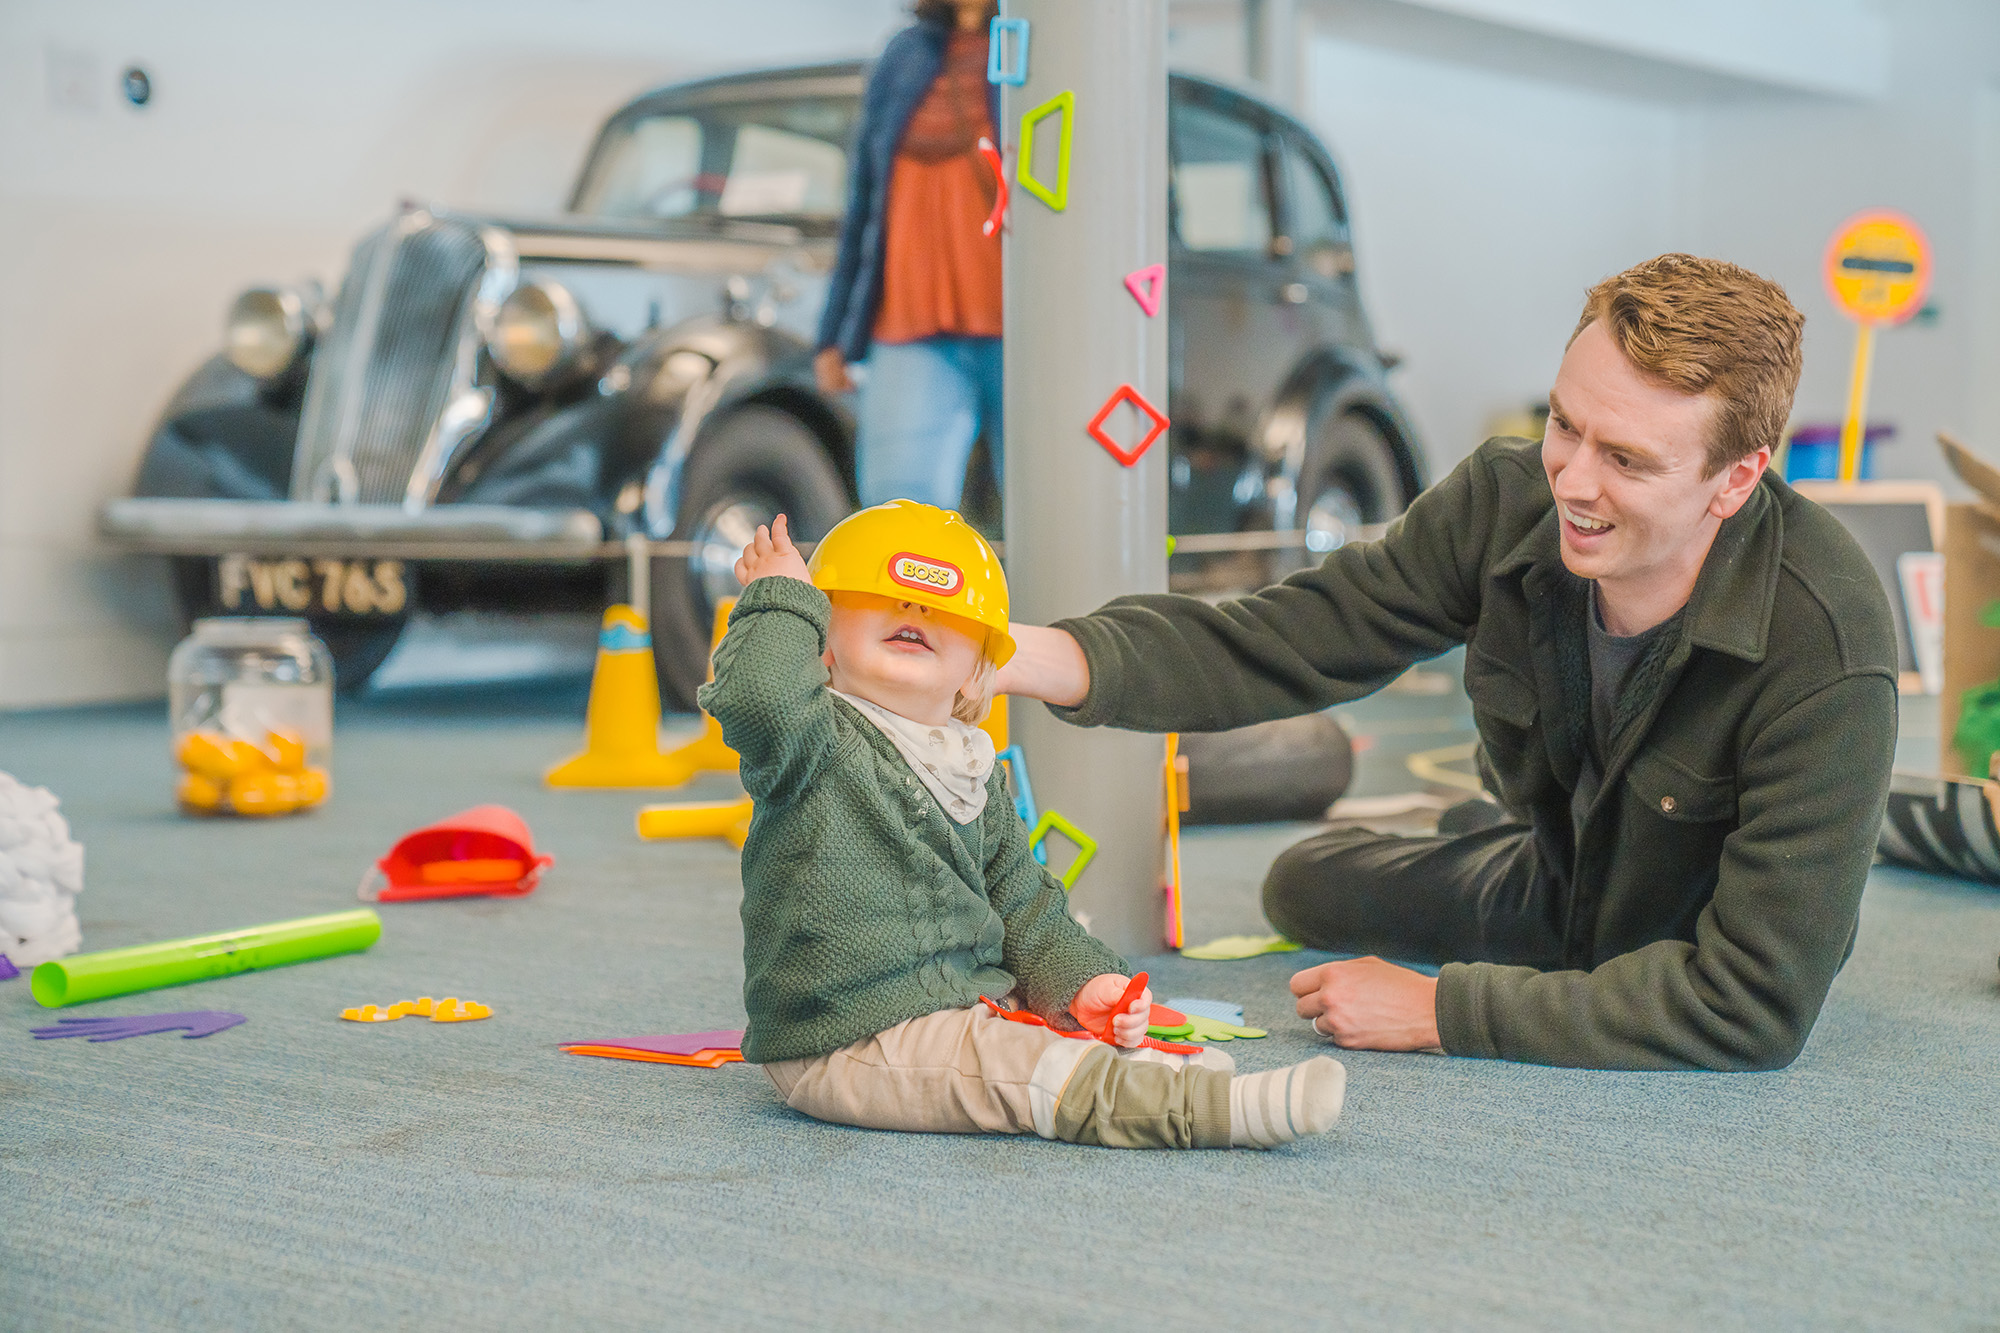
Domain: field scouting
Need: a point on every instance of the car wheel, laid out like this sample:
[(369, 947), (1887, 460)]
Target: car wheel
[(749, 467), (1350, 481), (358, 648)]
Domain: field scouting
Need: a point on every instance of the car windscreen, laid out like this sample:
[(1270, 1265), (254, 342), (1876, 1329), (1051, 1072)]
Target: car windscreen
[(776, 159)]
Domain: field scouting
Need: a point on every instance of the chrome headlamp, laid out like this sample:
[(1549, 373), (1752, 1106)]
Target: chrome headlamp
[(268, 329), (539, 334)]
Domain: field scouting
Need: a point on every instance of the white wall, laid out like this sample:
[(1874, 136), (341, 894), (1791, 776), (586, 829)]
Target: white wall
[(1484, 204), (276, 135), (1493, 180)]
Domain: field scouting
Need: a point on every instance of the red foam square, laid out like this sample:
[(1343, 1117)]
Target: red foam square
[(1127, 394)]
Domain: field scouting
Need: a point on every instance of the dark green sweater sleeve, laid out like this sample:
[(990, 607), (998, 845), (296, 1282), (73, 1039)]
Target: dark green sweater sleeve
[(1322, 637), (769, 691), (1049, 953), (1745, 994)]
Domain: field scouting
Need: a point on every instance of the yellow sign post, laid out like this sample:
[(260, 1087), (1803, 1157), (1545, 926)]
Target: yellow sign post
[(1878, 267)]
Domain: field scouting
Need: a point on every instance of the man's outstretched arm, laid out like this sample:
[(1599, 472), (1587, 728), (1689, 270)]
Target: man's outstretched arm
[(1047, 664), (1322, 637)]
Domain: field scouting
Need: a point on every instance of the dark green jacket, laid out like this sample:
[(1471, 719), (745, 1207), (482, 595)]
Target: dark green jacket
[(863, 906), (1712, 890)]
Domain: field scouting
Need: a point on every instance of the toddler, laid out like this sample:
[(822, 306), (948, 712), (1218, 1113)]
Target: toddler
[(888, 885)]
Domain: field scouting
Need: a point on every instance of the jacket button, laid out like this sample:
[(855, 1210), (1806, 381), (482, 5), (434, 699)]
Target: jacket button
[(1667, 804)]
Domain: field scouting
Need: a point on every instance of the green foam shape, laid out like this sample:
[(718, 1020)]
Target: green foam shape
[(97, 976), (1086, 846), (1056, 198), (1989, 615), (1173, 1033), (1232, 947)]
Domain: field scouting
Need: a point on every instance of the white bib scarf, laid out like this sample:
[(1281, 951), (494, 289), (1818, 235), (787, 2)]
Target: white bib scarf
[(953, 760)]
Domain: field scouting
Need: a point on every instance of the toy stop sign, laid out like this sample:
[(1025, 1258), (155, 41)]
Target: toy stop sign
[(1878, 267)]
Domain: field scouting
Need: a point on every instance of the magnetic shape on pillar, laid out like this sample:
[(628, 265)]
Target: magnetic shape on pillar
[(997, 70), (1086, 846), (998, 217), (1125, 393), (1147, 286), (1055, 196)]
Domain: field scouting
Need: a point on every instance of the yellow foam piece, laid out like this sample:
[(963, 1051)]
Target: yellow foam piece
[(698, 819), (450, 1009)]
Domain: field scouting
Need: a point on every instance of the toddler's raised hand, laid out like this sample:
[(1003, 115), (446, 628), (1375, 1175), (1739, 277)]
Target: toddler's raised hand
[(771, 554), (1098, 1003)]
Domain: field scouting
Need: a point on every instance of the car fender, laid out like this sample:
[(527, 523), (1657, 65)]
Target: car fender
[(223, 435), (696, 373), (1331, 381)]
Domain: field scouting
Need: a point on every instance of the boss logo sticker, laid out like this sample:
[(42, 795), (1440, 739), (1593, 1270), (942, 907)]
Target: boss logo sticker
[(924, 574)]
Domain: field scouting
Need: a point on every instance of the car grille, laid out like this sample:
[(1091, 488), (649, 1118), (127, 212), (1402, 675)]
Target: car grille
[(380, 378)]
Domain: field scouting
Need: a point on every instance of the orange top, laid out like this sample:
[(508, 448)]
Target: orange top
[(940, 276)]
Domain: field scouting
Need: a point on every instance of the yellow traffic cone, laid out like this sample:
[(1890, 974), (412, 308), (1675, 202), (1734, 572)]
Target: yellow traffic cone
[(708, 752), (621, 730), (697, 819)]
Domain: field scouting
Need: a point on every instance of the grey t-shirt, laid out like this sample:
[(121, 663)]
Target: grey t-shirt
[(1612, 659)]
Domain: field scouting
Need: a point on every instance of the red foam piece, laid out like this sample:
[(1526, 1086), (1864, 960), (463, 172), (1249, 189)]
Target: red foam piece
[(1125, 393), (486, 833)]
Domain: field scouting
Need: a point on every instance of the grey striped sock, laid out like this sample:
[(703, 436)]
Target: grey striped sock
[(1281, 1105)]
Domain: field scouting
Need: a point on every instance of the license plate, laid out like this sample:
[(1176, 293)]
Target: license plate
[(258, 585)]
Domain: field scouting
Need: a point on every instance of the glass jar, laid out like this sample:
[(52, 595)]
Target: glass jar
[(250, 703)]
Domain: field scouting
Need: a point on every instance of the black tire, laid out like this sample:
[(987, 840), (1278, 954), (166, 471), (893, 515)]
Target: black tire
[(1290, 769), (1351, 478), (358, 647), (747, 468)]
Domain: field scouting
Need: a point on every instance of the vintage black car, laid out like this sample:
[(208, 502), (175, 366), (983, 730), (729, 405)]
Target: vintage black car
[(491, 407)]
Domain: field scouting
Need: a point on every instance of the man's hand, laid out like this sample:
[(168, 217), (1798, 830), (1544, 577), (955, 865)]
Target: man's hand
[(1047, 664), (830, 369), (1370, 1005), (771, 554), (1094, 1004)]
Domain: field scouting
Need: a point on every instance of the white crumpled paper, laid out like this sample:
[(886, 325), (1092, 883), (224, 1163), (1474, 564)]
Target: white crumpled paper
[(41, 872)]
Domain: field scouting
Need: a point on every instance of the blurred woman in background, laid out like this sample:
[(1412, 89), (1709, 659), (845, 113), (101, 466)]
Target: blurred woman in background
[(915, 293)]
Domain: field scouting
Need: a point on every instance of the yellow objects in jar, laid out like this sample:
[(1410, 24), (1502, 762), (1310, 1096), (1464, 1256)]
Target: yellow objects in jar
[(270, 777), (199, 794)]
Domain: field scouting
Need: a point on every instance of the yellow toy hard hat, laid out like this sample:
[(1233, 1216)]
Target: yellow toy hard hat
[(911, 552)]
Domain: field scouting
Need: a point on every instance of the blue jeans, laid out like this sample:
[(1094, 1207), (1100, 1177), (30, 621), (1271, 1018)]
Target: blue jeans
[(923, 405)]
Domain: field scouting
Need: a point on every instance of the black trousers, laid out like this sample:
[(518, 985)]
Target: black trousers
[(1475, 897)]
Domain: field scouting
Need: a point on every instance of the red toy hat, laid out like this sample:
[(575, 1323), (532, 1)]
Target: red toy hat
[(484, 850)]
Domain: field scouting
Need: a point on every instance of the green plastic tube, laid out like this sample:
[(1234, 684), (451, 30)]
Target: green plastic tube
[(96, 976)]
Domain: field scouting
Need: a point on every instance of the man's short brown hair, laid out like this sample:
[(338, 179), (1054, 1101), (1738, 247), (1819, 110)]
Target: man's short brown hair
[(1708, 327)]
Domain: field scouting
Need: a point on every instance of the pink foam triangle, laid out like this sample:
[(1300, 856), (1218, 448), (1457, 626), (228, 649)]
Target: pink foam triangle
[(1147, 285)]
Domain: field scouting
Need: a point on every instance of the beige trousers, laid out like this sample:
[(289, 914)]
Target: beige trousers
[(968, 1071)]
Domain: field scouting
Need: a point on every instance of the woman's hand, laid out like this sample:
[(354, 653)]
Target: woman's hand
[(1094, 1005), (830, 369), (770, 555)]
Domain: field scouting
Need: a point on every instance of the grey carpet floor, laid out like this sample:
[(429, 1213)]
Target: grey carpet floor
[(299, 1171)]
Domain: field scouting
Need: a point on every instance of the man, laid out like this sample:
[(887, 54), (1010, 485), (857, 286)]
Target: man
[(1684, 681)]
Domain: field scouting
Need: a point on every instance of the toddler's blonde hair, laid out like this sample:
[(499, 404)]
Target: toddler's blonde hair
[(975, 701)]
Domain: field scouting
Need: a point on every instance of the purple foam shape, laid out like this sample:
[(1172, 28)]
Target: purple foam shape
[(7, 969), (676, 1043), (198, 1022)]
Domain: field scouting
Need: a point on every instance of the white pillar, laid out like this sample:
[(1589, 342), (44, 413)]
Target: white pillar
[(1082, 528)]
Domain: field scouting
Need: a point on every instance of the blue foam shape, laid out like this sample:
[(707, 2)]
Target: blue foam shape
[(996, 47), (1222, 1011), (1024, 794)]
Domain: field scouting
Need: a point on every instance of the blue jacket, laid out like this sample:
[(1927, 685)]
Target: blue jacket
[(898, 83)]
